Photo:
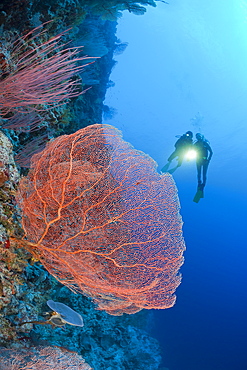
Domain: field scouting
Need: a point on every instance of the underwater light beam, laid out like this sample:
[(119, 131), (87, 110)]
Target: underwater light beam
[(191, 154)]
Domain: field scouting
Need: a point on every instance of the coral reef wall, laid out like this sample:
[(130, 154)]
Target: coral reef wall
[(105, 342), (85, 28)]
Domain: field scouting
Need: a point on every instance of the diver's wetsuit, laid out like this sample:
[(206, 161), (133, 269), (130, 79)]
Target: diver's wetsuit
[(182, 145), (204, 154)]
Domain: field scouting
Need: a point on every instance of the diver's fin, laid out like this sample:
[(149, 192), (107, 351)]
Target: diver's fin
[(198, 196), (165, 168), (172, 170)]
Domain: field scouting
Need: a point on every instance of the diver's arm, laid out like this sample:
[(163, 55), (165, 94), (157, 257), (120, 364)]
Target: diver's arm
[(210, 152)]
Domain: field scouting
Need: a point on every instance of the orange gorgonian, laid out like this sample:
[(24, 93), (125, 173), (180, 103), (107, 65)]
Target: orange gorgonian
[(102, 220)]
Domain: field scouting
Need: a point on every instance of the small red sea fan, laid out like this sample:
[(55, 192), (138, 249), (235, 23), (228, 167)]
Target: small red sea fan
[(103, 221), (37, 73)]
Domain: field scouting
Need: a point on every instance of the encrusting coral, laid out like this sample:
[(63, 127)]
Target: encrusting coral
[(12, 260)]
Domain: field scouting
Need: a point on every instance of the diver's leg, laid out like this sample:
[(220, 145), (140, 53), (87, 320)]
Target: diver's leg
[(166, 166), (173, 155), (199, 172), (180, 160), (204, 172)]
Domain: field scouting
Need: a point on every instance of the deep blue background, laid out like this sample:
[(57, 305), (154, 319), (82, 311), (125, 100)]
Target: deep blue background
[(186, 69), (207, 327)]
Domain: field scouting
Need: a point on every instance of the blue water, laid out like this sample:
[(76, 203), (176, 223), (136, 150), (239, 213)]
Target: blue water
[(185, 69)]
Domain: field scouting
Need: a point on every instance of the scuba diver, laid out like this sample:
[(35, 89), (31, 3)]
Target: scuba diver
[(204, 155), (182, 145)]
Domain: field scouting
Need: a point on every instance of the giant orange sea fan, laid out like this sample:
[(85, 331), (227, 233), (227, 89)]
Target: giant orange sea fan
[(41, 358), (103, 221)]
